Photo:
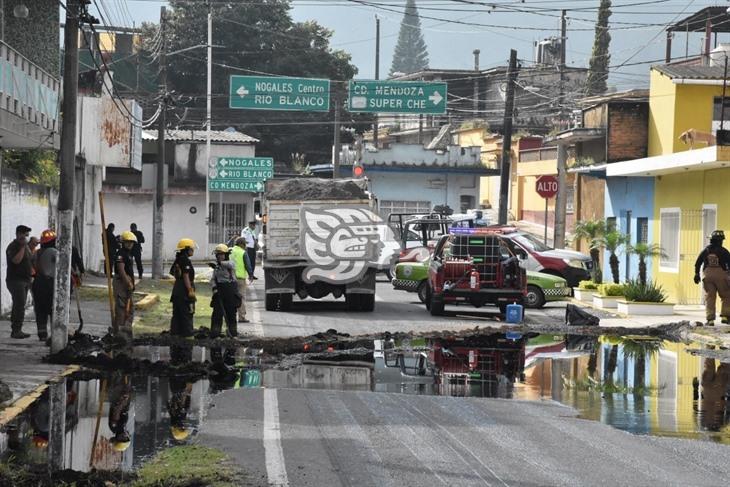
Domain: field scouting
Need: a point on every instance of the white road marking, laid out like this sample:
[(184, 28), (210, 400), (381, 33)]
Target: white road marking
[(258, 328), (273, 451)]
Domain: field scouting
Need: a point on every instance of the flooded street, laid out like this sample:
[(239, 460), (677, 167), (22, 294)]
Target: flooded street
[(646, 386)]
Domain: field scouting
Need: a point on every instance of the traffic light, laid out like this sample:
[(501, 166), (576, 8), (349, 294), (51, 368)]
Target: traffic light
[(358, 171)]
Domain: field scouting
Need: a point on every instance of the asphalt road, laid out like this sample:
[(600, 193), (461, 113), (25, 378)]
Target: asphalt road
[(315, 438), (394, 311)]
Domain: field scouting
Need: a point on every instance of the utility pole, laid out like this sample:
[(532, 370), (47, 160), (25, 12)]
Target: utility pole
[(506, 166), (59, 324), (377, 75), (337, 144), (157, 233), (208, 115), (561, 199)]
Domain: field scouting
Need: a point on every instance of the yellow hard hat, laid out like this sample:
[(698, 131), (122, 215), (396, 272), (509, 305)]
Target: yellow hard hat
[(179, 433), (186, 243), (221, 249), (128, 236), (120, 445)]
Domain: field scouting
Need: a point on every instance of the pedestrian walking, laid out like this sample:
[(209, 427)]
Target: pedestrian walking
[(226, 299), (18, 278), (249, 233), (123, 285), (44, 263), (238, 256), (137, 250), (715, 263), (112, 245), (183, 291)]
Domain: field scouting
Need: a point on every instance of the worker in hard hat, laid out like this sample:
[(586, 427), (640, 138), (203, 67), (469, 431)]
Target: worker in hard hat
[(44, 264), (124, 287), (715, 263), (120, 399), (178, 407), (183, 291), (243, 272), (226, 298)]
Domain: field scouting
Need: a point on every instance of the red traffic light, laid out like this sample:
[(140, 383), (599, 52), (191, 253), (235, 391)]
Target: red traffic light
[(358, 171)]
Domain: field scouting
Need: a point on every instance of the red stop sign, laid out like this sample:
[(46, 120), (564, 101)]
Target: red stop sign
[(547, 186)]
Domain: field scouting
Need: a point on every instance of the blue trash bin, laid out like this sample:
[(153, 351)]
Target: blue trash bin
[(514, 313)]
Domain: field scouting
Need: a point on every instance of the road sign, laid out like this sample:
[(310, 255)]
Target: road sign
[(416, 97), (239, 173), (274, 93), (547, 186)]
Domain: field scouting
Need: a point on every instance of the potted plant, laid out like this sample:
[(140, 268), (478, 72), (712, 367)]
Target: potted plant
[(608, 296), (592, 231), (612, 241), (584, 291), (644, 299)]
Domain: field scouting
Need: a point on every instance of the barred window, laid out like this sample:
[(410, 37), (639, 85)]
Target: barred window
[(669, 226)]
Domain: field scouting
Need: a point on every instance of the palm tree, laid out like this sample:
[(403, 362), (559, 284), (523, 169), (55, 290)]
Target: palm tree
[(591, 231), (611, 241), (644, 251), (639, 349)]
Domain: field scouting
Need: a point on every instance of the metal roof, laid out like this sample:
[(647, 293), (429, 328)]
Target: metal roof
[(691, 71), (218, 136), (697, 22)]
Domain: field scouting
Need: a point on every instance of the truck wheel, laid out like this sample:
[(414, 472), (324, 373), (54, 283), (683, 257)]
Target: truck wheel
[(367, 302), (285, 301), (272, 302), (437, 305), (503, 310), (535, 297), (423, 291), (352, 301)]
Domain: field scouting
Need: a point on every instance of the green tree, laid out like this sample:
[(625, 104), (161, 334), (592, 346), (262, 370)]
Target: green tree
[(411, 54), (600, 57), (612, 241), (644, 251), (33, 166), (591, 231), (254, 38)]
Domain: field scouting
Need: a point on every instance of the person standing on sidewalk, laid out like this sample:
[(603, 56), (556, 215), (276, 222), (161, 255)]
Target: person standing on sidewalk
[(249, 233), (238, 255), (226, 299), (112, 245), (124, 287), (18, 278), (44, 282), (137, 249), (715, 262), (183, 291)]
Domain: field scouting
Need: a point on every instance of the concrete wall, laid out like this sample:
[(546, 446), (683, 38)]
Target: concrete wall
[(628, 127), (22, 203), (636, 195), (125, 208), (415, 186)]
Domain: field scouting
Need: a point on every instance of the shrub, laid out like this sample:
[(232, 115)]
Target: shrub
[(588, 285), (650, 292), (611, 289)]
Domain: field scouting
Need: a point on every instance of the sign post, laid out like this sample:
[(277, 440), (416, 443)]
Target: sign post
[(414, 97), (275, 93), (547, 187)]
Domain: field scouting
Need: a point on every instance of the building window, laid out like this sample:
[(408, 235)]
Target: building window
[(642, 230), (570, 199), (669, 226), (412, 207), (709, 222), (610, 223), (466, 202)]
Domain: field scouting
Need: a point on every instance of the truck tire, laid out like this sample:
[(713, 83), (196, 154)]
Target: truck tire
[(367, 302), (359, 302), (423, 292), (436, 305), (272, 302), (285, 301)]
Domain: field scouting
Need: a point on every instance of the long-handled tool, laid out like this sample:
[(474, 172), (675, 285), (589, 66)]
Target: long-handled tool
[(76, 280)]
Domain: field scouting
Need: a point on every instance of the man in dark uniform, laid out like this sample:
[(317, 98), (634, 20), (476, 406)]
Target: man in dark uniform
[(715, 262), (137, 249), (183, 291), (18, 278), (112, 245), (120, 398), (44, 283), (123, 288)]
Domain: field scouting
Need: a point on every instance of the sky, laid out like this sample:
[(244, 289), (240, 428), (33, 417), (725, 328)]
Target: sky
[(457, 27)]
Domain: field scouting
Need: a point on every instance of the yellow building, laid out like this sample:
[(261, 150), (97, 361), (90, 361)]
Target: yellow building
[(691, 196)]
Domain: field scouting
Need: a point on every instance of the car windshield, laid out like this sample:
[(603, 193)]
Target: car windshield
[(530, 242)]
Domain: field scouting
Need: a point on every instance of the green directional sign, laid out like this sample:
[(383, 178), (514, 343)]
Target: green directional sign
[(275, 93), (239, 173), (410, 97)]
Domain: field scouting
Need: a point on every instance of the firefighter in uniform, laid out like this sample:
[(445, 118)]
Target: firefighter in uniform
[(715, 262), (120, 399), (226, 298), (44, 263), (183, 291), (124, 287)]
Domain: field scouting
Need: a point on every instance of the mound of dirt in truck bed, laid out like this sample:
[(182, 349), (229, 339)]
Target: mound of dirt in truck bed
[(317, 189)]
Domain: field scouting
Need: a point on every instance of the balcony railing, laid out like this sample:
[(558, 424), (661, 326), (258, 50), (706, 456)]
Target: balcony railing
[(28, 91), (542, 154)]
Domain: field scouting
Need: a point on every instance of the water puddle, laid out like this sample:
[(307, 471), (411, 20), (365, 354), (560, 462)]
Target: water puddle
[(116, 421)]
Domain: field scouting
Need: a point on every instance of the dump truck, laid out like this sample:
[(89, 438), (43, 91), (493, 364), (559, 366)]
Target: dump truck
[(323, 237)]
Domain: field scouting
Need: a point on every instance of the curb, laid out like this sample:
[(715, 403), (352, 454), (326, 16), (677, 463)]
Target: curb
[(22, 403)]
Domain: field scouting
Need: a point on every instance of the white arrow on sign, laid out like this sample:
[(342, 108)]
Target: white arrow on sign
[(223, 173), (259, 186), (223, 162), (242, 91), (436, 98)]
